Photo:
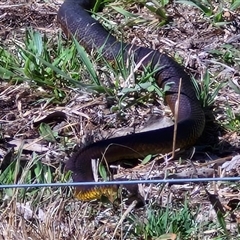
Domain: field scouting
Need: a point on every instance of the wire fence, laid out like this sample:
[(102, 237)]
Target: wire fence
[(123, 182)]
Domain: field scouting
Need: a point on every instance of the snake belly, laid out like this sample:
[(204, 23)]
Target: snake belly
[(75, 20)]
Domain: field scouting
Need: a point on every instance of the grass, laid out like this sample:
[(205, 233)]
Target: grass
[(209, 10), (42, 73), (167, 221)]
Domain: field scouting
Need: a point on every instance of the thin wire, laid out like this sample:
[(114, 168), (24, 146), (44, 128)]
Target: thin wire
[(124, 182)]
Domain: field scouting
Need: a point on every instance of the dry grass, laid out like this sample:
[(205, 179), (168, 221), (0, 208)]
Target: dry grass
[(52, 213)]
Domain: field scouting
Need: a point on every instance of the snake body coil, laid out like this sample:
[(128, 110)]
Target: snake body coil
[(76, 21)]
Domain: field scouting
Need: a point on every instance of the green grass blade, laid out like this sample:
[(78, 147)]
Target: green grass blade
[(206, 10), (85, 59), (235, 5)]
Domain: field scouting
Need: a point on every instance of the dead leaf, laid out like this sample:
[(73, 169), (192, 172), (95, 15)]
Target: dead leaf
[(232, 165)]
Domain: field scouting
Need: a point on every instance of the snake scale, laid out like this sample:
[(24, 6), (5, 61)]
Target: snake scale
[(75, 20)]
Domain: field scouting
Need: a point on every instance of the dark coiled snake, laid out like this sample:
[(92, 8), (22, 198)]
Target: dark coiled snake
[(76, 21)]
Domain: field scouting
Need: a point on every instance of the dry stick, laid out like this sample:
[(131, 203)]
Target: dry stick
[(150, 186), (219, 160), (128, 210), (176, 110), (12, 5)]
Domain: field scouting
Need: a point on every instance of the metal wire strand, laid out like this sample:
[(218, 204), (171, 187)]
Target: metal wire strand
[(124, 182)]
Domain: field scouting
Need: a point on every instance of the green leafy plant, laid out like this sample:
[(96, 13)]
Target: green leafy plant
[(20, 171), (42, 62), (227, 53), (207, 90), (158, 8), (232, 122), (208, 8), (235, 4), (47, 133), (205, 6), (166, 220), (9, 66)]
